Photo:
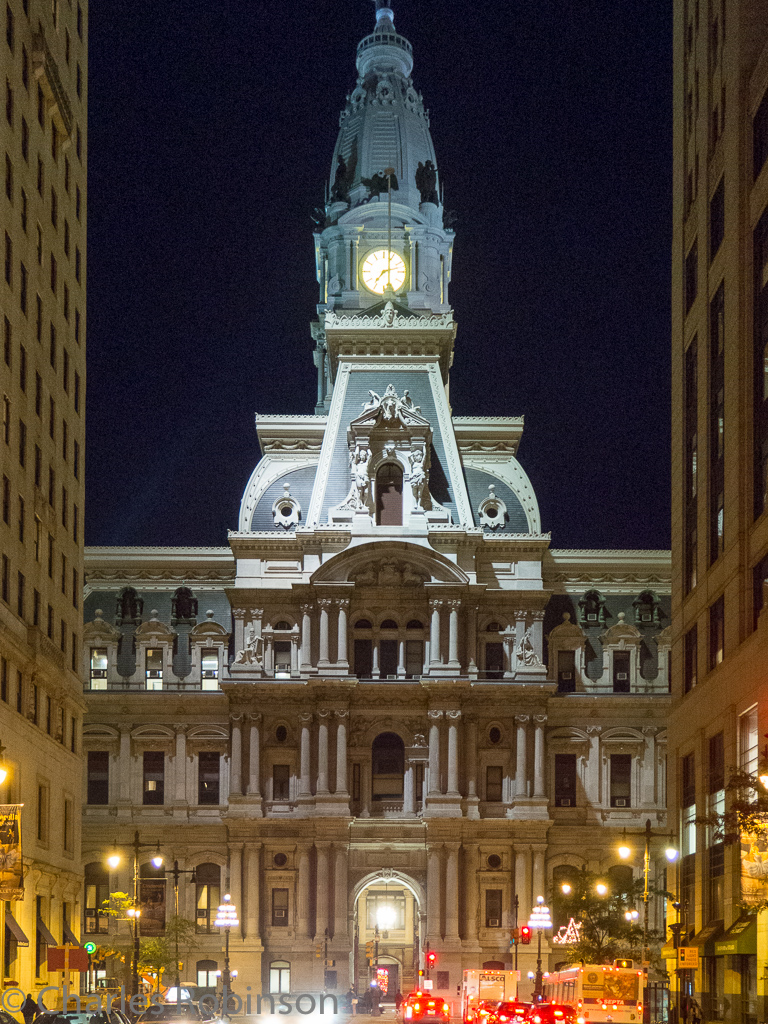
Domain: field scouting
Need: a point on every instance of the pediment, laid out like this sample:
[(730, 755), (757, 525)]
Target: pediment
[(98, 630), (371, 563)]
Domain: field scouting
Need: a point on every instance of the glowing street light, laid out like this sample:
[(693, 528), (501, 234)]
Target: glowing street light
[(539, 919), (226, 918)]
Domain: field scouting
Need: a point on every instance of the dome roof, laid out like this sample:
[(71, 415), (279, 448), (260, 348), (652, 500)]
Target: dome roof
[(384, 124)]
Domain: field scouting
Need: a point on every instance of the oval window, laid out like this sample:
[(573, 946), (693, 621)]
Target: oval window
[(494, 734), (280, 859), (281, 734), (494, 861)]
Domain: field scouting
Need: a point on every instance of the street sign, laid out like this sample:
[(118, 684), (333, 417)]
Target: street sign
[(688, 958), (89, 947)]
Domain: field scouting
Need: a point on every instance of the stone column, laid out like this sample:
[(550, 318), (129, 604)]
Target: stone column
[(537, 635), (539, 883), (306, 639), (539, 782), (521, 788), (434, 633), (304, 782), (375, 655), (648, 768), (471, 859), (236, 876), (592, 790), (472, 640), (522, 881), (365, 789), (321, 917), (341, 648), (322, 751), (471, 759), (254, 756), (269, 653), (409, 800), (453, 635), (519, 634), (341, 752), (238, 615), (433, 894), (295, 652), (454, 718), (124, 766), (180, 766), (236, 757), (252, 889), (401, 658), (452, 891), (302, 895), (324, 660), (508, 640), (433, 788), (340, 926)]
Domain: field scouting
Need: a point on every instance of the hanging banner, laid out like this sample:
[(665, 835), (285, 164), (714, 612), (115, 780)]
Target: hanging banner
[(11, 867), (754, 869)]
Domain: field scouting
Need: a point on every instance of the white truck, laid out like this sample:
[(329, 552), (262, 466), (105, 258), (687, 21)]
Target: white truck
[(479, 987)]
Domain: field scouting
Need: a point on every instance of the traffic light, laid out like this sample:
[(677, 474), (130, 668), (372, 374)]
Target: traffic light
[(515, 937), (90, 948), (370, 951), (318, 951), (431, 959), (525, 935)]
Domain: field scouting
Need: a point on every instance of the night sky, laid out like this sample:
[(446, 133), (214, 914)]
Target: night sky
[(212, 126)]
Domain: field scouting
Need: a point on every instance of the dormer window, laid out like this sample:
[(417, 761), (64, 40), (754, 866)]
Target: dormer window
[(98, 673), (647, 609), (153, 668), (592, 607), (210, 669)]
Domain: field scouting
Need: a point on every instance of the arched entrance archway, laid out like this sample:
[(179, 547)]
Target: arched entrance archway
[(388, 928), (389, 495)]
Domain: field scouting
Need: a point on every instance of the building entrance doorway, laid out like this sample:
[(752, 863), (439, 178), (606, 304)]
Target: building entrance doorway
[(387, 925)]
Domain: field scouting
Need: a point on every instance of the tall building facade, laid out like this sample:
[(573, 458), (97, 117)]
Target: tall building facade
[(43, 143), (387, 712), (720, 474)]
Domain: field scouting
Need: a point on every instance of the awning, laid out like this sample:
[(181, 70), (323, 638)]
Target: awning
[(70, 937), (45, 935), (741, 937), (706, 938), (14, 928)]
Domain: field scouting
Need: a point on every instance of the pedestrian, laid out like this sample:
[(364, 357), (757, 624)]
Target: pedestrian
[(695, 1012), (29, 1009), (398, 1000)]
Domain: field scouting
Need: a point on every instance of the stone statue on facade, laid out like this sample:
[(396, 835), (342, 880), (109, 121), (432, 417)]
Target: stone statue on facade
[(253, 652), (359, 460), (418, 475), (340, 187), (526, 652), (426, 182)]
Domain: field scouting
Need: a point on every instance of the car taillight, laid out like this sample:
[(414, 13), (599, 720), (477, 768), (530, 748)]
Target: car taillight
[(417, 1007), (446, 1008), (558, 1013), (537, 1019)]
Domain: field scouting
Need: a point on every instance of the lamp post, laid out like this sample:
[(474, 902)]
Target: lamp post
[(671, 855), (134, 912), (176, 871), (539, 919), (226, 918)]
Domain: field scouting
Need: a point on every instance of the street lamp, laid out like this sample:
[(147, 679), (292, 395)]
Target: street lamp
[(226, 918), (539, 919), (134, 912), (176, 871), (671, 854)]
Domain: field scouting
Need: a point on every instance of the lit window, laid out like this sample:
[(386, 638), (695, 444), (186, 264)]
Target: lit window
[(98, 668), (154, 668)]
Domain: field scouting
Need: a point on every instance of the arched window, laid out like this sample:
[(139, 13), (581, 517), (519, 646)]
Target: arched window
[(96, 891), (415, 624), (184, 604), (387, 766), (389, 495), (493, 965), (363, 651), (206, 976), (363, 624), (621, 879), (592, 607), (646, 608), (129, 606), (152, 898), (493, 627), (389, 624), (207, 896), (279, 977), (282, 624), (563, 874), (388, 651)]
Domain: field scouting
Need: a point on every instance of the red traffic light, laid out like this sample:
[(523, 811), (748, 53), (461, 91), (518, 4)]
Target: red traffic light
[(431, 959), (525, 935)]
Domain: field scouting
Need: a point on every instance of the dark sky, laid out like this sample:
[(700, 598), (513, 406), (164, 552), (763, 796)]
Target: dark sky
[(212, 125)]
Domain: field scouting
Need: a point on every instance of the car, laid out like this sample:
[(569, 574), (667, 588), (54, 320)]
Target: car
[(84, 1017), (418, 1006), (551, 1013), (509, 1012), (480, 1012), (171, 1013)]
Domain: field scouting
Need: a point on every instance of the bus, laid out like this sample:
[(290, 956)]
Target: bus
[(600, 994)]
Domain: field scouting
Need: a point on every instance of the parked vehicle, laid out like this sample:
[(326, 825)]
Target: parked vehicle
[(507, 1012), (422, 1006), (481, 988), (550, 1013)]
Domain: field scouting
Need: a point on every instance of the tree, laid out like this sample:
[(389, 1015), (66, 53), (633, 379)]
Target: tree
[(745, 821), (605, 934)]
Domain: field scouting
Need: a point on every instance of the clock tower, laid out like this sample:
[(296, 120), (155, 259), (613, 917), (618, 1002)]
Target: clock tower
[(383, 234)]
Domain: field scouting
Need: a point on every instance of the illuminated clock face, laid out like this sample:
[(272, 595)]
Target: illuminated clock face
[(381, 268)]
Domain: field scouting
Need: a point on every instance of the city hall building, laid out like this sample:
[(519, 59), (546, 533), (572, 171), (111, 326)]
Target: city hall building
[(389, 711)]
